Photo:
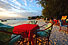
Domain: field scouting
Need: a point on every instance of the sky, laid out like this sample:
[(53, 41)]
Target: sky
[(19, 8)]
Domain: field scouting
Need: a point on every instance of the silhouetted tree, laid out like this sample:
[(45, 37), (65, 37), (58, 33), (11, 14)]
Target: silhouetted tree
[(54, 8)]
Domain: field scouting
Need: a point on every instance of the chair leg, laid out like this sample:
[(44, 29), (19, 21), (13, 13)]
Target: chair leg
[(60, 29), (67, 28), (48, 40), (23, 40), (36, 40)]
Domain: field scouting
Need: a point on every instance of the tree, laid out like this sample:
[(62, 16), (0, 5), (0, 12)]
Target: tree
[(54, 8), (29, 18)]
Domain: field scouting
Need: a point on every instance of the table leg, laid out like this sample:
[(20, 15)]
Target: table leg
[(36, 37), (23, 40), (29, 42)]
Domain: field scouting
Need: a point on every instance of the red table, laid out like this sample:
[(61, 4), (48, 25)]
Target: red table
[(29, 28)]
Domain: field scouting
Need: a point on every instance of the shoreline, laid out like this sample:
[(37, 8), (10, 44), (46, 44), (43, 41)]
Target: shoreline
[(19, 22)]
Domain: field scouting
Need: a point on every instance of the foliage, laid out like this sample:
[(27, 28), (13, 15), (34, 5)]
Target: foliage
[(34, 17), (54, 8), (29, 18)]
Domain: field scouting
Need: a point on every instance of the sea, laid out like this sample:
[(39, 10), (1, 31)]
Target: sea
[(15, 22)]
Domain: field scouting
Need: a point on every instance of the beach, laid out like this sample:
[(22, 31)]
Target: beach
[(56, 37), (19, 22)]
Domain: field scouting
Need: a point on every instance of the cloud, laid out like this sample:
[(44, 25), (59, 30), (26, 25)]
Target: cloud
[(13, 0), (5, 5), (10, 7), (25, 2), (11, 3), (31, 0), (1, 9), (26, 14), (38, 5), (4, 1), (6, 14), (14, 8), (16, 2)]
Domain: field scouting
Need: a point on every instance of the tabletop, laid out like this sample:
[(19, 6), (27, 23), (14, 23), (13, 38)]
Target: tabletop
[(27, 30)]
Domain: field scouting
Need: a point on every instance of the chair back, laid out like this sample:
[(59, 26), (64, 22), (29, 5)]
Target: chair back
[(61, 22)]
